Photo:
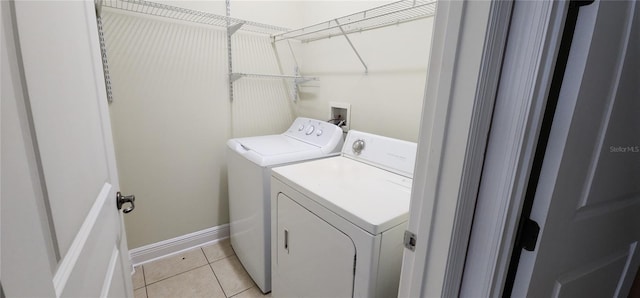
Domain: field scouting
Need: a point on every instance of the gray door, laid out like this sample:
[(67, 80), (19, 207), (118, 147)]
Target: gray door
[(588, 197)]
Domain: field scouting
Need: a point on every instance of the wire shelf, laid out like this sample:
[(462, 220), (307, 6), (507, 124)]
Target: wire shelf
[(298, 79), (190, 15), (381, 16)]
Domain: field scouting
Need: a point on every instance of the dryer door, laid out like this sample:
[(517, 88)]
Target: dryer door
[(314, 259)]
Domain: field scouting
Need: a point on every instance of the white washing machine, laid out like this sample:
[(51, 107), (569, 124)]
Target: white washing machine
[(338, 223), (249, 163)]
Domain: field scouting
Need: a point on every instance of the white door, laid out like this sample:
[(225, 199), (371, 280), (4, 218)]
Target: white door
[(62, 234), (587, 201), (314, 259)]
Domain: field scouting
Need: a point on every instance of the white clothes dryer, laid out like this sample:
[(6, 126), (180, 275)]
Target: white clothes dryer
[(249, 163), (338, 223)]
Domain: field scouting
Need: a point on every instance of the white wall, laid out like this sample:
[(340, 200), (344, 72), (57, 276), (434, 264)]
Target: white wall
[(170, 119), (260, 105), (171, 114), (387, 100)]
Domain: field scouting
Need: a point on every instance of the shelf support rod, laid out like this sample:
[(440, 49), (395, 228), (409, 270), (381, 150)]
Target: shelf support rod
[(229, 33), (366, 69)]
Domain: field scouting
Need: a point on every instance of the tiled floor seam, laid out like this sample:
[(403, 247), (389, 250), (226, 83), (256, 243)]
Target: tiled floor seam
[(205, 255), (218, 280), (140, 287), (220, 259), (240, 292), (245, 270), (144, 279), (157, 281), (214, 273)]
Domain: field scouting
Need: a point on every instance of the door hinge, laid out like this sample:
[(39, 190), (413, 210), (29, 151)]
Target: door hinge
[(529, 235), (410, 240)]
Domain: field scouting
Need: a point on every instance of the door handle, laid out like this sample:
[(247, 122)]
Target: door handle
[(286, 240), (121, 200)]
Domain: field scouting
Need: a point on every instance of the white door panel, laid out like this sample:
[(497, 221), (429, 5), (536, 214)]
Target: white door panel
[(112, 287), (75, 178), (19, 176), (62, 82), (579, 282), (588, 197)]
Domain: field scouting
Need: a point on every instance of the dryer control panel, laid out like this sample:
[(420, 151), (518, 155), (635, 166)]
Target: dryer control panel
[(323, 134), (394, 155)]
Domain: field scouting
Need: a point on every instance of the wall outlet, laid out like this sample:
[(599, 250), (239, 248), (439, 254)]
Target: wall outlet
[(340, 114)]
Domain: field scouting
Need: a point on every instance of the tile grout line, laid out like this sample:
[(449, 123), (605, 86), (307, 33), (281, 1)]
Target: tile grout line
[(241, 292), (244, 269), (144, 279), (210, 263), (194, 268), (205, 255), (218, 280), (222, 258), (214, 272)]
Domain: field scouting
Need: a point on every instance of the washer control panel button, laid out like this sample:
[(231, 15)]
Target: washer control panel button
[(310, 130)]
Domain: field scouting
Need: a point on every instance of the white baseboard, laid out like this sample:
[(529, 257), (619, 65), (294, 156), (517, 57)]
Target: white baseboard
[(154, 251)]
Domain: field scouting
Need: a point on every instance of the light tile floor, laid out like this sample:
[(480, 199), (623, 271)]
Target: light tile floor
[(208, 271)]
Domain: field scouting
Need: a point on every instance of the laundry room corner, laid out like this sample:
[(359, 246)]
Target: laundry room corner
[(168, 144), (182, 88), (172, 115)]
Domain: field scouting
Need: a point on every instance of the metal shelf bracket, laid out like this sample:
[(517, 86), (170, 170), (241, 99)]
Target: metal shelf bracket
[(235, 76), (366, 69), (233, 28)]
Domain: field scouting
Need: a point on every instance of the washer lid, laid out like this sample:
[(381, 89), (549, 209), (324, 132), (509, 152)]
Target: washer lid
[(274, 145), (369, 197), (267, 151)]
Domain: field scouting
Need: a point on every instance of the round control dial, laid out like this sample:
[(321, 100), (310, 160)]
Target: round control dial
[(357, 147), (310, 130)]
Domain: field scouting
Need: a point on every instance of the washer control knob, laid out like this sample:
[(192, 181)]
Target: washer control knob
[(301, 127), (357, 147), (310, 130), (319, 132)]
